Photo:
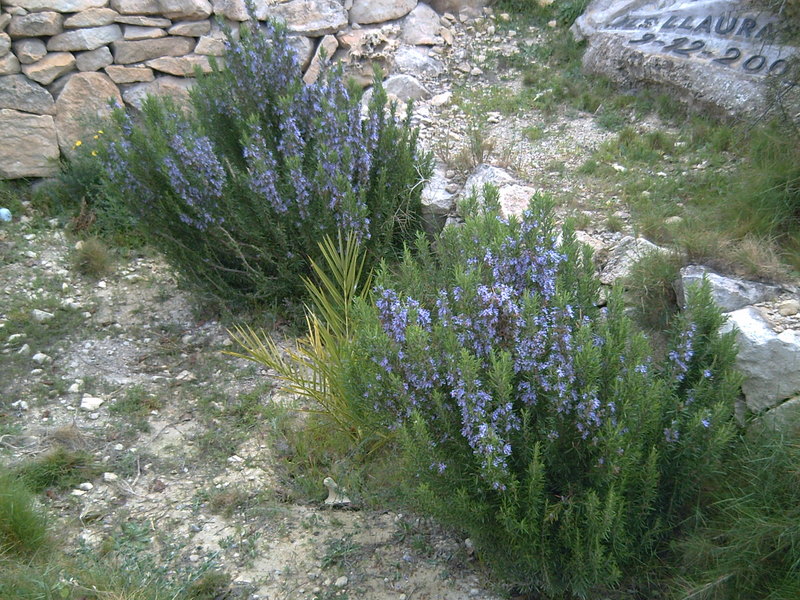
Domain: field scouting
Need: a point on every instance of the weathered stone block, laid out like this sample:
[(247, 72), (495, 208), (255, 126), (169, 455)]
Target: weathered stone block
[(46, 70), (17, 92), (84, 39), (235, 10), (378, 11), (30, 50), (309, 17), (174, 87), (134, 32), (119, 74), (126, 53), (83, 103), (94, 60), (9, 64), (143, 21), (191, 10), (5, 44), (61, 6), (183, 66), (190, 28), (28, 145), (421, 27), (36, 24), (94, 17), (211, 45), (136, 7)]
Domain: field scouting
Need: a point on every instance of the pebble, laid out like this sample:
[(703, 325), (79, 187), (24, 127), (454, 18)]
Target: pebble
[(15, 336), (86, 486), (91, 403), (40, 358), (35, 372), (787, 308), (41, 316), (340, 582), (78, 492), (110, 477), (20, 404), (75, 387), (102, 285)]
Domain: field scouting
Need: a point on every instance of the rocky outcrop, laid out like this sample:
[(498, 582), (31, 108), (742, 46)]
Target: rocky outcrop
[(729, 294), (130, 48)]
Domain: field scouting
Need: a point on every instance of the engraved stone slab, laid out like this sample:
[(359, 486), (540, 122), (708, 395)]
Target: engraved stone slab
[(715, 53)]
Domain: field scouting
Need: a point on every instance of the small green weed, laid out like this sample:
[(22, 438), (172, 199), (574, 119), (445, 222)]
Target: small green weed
[(340, 552)]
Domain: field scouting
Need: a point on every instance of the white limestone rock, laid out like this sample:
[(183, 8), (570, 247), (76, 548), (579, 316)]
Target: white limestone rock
[(770, 362), (728, 293)]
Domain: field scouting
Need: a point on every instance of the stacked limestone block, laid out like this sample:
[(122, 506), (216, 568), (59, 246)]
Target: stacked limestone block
[(62, 62)]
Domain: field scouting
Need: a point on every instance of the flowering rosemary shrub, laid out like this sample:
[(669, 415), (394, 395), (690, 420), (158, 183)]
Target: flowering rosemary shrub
[(539, 424), (238, 190)]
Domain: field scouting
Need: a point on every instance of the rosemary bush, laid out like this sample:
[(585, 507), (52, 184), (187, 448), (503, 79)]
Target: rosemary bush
[(238, 190), (536, 422)]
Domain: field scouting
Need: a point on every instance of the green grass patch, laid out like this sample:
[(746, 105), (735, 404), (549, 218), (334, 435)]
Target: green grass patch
[(59, 469)]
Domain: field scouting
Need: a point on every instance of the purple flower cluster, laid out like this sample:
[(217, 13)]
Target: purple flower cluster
[(507, 310), (681, 356), (309, 144), (197, 177)]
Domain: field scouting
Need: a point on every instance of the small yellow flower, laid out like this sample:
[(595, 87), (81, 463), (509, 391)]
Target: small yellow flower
[(96, 137), (94, 152), (100, 131), (78, 143)]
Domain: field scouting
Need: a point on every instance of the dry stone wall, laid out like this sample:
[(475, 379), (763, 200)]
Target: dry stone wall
[(62, 61)]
